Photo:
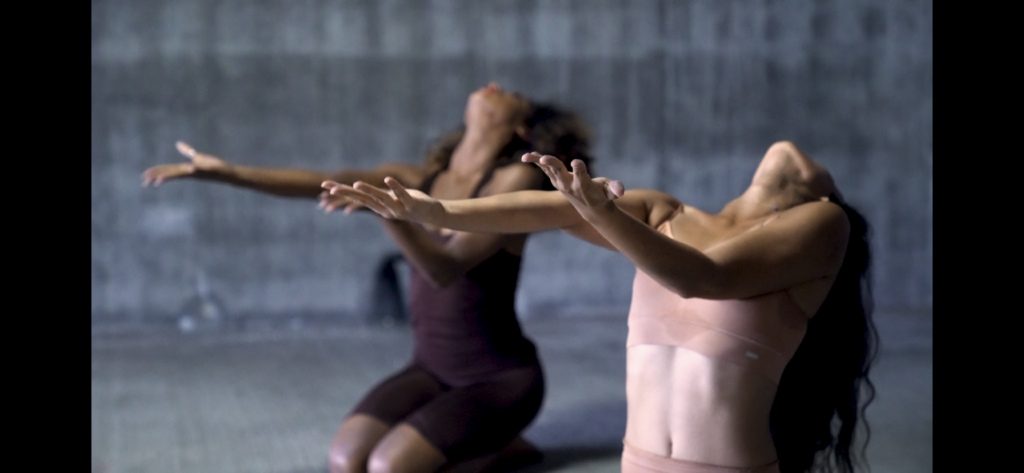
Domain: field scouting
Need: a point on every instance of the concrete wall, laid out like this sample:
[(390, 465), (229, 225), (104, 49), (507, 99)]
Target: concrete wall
[(683, 96)]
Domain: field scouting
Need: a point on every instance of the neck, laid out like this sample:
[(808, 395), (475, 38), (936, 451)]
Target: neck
[(479, 148), (782, 181), (755, 203), (763, 199)]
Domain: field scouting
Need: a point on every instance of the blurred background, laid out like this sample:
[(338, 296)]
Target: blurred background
[(682, 96)]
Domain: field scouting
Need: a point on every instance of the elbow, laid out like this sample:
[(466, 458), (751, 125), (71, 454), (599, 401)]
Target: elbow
[(700, 293), (686, 289), (690, 292), (709, 287)]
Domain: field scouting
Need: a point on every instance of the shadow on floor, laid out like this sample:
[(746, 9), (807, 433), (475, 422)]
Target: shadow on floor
[(566, 435), (322, 469), (594, 424), (577, 433), (560, 457), (554, 459)]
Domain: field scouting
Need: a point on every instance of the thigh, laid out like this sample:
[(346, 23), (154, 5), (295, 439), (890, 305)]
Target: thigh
[(399, 395), (481, 418), (377, 413)]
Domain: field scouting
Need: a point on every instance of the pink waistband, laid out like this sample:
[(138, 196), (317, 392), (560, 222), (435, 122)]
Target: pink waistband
[(635, 460)]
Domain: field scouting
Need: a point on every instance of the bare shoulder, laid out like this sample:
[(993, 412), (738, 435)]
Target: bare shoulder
[(648, 205), (819, 217), (818, 230), (514, 177)]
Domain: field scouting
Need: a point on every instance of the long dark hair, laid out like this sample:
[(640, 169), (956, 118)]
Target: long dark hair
[(819, 401), (550, 130)]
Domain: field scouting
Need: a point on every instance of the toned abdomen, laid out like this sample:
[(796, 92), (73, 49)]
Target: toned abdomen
[(684, 405)]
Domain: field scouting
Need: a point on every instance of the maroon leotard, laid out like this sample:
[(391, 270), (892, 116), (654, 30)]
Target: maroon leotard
[(475, 381), (468, 330)]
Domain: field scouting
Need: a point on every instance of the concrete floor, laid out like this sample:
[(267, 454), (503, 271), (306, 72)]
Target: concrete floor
[(270, 400)]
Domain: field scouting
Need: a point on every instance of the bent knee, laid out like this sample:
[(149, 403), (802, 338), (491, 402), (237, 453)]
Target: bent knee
[(346, 458), (404, 450), (344, 462), (401, 462), (379, 463), (352, 445)]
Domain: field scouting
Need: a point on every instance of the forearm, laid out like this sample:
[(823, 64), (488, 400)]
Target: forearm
[(428, 255), (282, 182), (514, 212), (677, 266)]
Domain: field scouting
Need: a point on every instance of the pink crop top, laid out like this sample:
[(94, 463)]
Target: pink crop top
[(759, 333)]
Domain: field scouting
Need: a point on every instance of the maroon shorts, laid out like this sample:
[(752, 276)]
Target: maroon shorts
[(463, 422)]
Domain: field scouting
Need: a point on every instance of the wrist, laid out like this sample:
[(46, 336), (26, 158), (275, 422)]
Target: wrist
[(228, 170), (600, 214), (225, 172), (390, 223), (440, 215)]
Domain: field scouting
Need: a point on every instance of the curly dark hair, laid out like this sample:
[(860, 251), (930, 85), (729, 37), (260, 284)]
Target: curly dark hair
[(819, 403), (550, 130)]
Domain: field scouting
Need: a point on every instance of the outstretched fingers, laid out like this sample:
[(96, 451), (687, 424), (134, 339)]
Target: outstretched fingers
[(353, 207), (554, 163), (534, 158), (378, 200), (579, 171), (185, 149), (341, 195), (612, 189), (333, 202), (328, 201), (151, 177), (616, 189), (576, 180), (400, 192), (560, 177), (373, 191), (156, 175)]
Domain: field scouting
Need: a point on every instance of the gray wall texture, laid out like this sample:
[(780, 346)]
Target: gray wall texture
[(682, 96)]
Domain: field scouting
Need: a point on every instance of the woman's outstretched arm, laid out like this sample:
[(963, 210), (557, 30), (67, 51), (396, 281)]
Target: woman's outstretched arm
[(443, 262), (807, 243), (525, 211), (284, 182)]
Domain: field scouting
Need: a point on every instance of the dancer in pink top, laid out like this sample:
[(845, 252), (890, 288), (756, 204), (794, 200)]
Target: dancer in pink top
[(750, 336)]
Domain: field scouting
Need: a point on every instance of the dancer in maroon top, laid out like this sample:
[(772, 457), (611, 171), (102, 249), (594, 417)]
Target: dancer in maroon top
[(475, 382), (468, 330)]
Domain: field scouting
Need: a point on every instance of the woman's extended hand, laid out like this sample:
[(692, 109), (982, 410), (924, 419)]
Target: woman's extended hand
[(198, 163), (398, 203), (329, 203), (586, 194)]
